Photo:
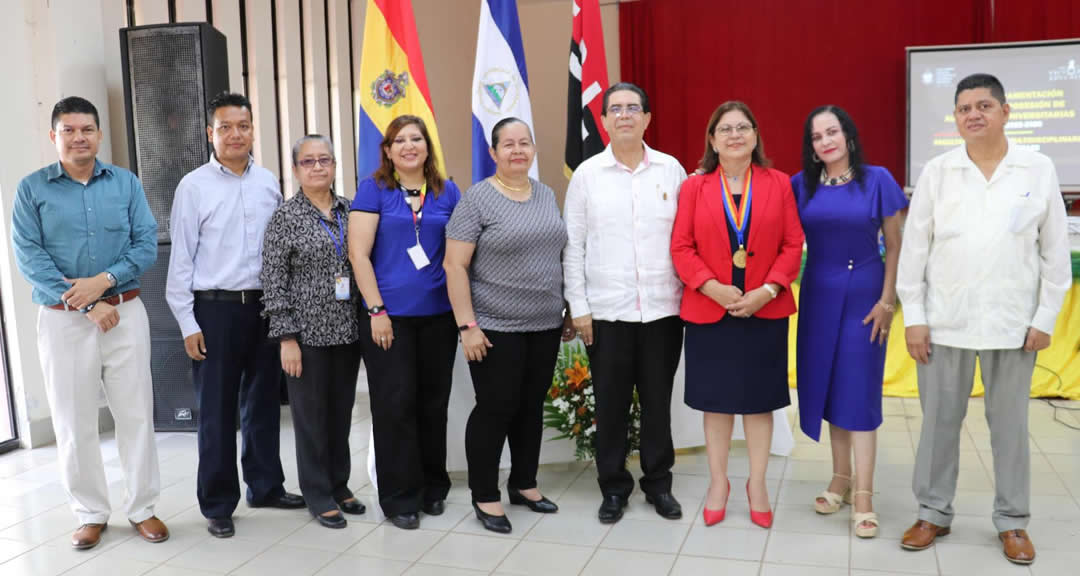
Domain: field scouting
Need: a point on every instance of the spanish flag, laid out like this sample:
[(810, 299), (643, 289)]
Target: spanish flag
[(392, 80)]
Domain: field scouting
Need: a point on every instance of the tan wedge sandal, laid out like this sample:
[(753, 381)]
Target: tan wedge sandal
[(860, 518), (832, 500)]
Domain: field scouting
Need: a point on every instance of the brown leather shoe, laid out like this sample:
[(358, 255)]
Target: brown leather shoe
[(1017, 546), (922, 534), (87, 536), (152, 530)]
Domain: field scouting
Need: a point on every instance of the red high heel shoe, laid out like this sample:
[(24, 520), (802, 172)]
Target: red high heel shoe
[(717, 516), (763, 519)]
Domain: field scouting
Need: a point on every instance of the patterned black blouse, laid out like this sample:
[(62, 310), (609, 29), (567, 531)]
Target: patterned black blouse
[(300, 262)]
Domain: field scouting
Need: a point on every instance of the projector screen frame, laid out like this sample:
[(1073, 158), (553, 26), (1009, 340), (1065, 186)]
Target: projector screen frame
[(1070, 192)]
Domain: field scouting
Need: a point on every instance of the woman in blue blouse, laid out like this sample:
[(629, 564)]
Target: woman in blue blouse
[(396, 246)]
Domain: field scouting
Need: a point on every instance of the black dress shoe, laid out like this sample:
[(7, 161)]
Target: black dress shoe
[(337, 521), (611, 509), (353, 506), (286, 501), (220, 527), (434, 508), (410, 521), (666, 505), (500, 524), (543, 505)]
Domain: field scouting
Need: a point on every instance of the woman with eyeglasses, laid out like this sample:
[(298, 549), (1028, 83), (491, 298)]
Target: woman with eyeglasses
[(396, 244), (846, 301), (310, 300), (737, 245)]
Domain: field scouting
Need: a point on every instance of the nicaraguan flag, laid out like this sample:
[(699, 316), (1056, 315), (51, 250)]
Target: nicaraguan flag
[(500, 82)]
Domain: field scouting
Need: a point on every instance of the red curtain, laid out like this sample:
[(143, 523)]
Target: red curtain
[(785, 58)]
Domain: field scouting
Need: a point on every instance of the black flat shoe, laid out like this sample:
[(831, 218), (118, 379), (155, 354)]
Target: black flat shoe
[(434, 508), (611, 509), (543, 505), (353, 506), (666, 505), (337, 521), (410, 521), (286, 502), (500, 524), (220, 527)]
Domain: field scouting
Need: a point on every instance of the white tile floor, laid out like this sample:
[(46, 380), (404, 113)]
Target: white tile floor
[(35, 523)]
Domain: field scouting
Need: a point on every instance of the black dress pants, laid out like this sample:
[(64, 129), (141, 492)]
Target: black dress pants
[(321, 401), (625, 356), (409, 387), (242, 367), (511, 384)]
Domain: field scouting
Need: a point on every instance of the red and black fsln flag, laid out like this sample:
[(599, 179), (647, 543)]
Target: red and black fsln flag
[(585, 135)]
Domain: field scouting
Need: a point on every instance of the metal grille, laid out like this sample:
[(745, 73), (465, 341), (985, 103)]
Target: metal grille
[(175, 408), (168, 110), (163, 324)]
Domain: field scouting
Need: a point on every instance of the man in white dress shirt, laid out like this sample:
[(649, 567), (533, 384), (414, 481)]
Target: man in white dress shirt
[(983, 274), (624, 296), (219, 216)]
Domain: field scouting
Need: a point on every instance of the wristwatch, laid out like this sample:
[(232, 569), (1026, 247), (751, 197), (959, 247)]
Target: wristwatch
[(112, 279), (376, 310)]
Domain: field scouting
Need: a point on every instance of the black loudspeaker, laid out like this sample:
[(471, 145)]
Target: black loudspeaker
[(171, 72), (175, 408)]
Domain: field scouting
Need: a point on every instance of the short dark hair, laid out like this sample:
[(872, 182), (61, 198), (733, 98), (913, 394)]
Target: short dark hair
[(74, 105), (981, 80), (629, 87), (226, 100), (497, 129)]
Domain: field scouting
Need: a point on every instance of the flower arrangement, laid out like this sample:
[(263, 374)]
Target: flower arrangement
[(570, 407)]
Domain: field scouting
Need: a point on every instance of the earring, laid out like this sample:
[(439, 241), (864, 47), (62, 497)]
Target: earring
[(815, 158)]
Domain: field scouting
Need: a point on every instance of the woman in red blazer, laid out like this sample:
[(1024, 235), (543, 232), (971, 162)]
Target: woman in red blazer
[(737, 245)]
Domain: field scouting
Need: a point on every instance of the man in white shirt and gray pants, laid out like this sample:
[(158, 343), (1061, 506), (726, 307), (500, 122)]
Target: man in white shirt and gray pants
[(983, 273), (624, 296)]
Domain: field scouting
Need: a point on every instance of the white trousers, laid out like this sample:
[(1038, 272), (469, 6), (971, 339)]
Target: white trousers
[(77, 361)]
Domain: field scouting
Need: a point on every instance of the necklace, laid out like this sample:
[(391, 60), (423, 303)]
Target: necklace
[(841, 179), (511, 188)]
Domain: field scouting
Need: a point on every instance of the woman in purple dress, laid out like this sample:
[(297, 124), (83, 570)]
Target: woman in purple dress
[(846, 303)]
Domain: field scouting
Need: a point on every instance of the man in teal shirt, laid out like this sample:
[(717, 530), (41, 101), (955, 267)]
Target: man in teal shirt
[(83, 234)]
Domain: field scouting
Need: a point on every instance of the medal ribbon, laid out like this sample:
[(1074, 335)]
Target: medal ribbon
[(737, 217)]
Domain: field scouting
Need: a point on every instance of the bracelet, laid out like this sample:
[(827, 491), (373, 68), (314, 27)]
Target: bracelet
[(466, 327), (772, 291), (890, 308)]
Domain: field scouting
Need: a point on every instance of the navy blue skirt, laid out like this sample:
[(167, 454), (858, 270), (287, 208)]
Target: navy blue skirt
[(737, 365)]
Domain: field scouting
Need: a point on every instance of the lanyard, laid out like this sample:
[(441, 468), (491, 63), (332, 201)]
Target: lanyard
[(339, 245), (737, 218), (417, 215)]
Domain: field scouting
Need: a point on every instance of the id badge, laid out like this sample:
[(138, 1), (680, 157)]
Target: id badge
[(341, 286), (419, 258)]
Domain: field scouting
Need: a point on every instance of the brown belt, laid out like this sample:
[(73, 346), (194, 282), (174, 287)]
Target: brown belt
[(113, 300)]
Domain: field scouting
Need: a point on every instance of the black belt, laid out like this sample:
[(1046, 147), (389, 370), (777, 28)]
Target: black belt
[(241, 296)]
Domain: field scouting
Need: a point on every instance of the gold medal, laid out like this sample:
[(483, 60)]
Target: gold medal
[(739, 258)]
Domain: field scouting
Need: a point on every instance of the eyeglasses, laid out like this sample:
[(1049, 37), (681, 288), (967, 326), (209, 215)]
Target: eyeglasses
[(309, 163), (629, 110), (727, 131)]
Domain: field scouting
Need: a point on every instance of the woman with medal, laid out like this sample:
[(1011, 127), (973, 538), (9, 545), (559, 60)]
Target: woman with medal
[(396, 244), (737, 246), (310, 300), (504, 274), (846, 301)]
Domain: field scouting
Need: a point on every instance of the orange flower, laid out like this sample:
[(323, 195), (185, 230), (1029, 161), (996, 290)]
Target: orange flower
[(577, 375), (581, 410), (576, 430), (554, 392)]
